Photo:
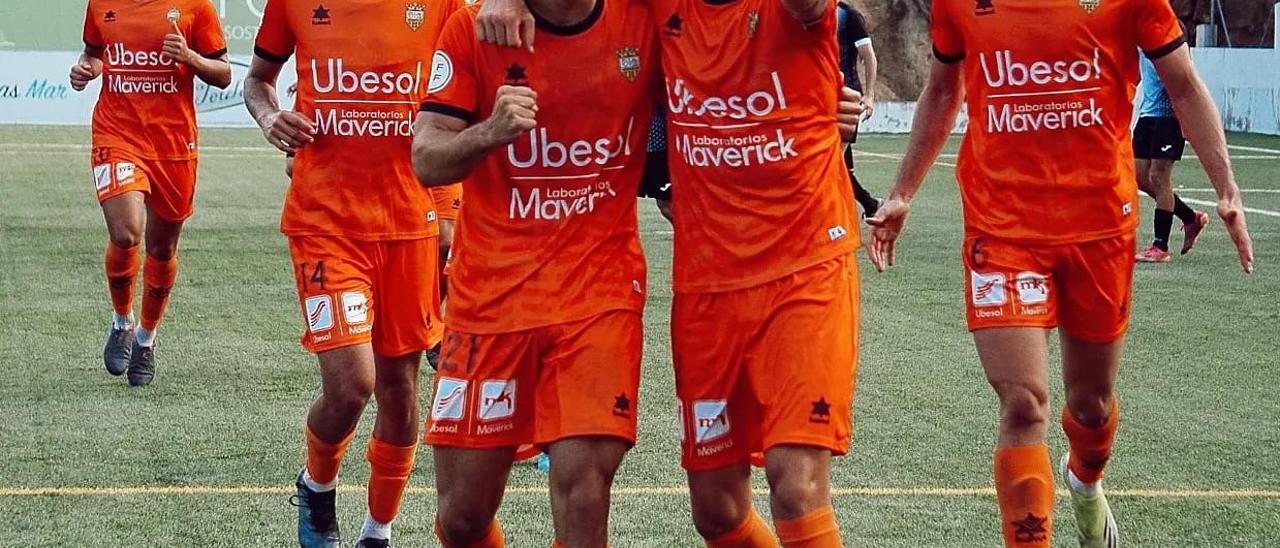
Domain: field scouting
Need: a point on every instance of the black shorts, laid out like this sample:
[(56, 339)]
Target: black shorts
[(656, 180), (1158, 139)]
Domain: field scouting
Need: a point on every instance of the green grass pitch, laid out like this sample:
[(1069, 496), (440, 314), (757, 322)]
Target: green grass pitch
[(1197, 455)]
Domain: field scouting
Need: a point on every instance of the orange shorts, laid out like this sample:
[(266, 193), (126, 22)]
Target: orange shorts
[(1084, 287), (767, 365), (448, 200), (538, 386), (357, 292), (170, 185)]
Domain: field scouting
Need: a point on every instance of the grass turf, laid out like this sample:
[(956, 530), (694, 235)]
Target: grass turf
[(233, 385)]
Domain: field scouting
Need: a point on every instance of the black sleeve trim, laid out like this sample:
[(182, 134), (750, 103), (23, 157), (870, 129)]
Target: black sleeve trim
[(1167, 48), (216, 54), (448, 110), (947, 59), (274, 58)]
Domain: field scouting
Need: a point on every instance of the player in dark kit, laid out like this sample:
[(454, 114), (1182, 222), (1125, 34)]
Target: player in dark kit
[(855, 48)]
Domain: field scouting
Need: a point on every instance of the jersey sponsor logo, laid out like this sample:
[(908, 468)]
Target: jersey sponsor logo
[(414, 15), (120, 56), (319, 311), (629, 63), (555, 204), (355, 308), (337, 78), (497, 400), (544, 151), (710, 420), (987, 289), (139, 71), (757, 103), (736, 151), (1004, 70), (450, 399), (441, 72)]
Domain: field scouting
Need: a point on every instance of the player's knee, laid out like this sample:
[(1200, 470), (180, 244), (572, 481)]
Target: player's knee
[(463, 528), (162, 252), (581, 492), (1023, 407), (350, 398), (125, 237), (1091, 407), (796, 494), (714, 522)]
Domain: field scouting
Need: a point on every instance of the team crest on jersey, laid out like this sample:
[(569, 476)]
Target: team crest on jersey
[(629, 63), (414, 15), (753, 23), (173, 15), (1090, 6)]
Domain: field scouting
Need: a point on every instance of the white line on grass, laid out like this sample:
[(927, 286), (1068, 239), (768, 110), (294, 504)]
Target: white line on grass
[(1254, 149), (1245, 190), (1266, 212), (658, 490)]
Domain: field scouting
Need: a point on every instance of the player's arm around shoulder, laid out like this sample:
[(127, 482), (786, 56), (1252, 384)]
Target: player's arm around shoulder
[(1200, 121), (446, 146)]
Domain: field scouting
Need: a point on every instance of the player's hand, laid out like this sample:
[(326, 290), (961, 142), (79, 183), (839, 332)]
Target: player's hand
[(288, 131), (175, 46), (515, 111), (848, 112), (505, 23), (1232, 212), (84, 72), (885, 227), (868, 106)]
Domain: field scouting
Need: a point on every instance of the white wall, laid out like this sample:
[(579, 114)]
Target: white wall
[(1246, 85)]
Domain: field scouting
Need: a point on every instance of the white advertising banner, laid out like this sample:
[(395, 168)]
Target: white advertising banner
[(34, 90)]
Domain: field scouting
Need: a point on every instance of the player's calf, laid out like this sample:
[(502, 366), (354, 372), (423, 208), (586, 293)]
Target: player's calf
[(470, 485)]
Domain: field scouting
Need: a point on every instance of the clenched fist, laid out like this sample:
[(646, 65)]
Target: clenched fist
[(84, 72), (515, 111)]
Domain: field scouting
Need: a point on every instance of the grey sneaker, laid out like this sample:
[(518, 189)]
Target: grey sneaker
[(118, 350), (142, 365)]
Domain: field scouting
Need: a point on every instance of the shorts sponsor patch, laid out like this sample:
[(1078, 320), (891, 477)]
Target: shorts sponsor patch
[(497, 400), (355, 308), (710, 420), (319, 313), (837, 232), (987, 289), (450, 401), (124, 172), (102, 176), (1032, 288)]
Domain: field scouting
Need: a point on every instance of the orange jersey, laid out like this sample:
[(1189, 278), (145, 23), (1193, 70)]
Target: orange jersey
[(548, 234), (1047, 157), (760, 189), (147, 103), (362, 70)]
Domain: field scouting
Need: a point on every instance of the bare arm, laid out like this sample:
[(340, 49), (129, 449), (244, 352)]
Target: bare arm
[(935, 116), (1202, 125), (87, 68), (445, 150), (931, 126), (215, 72), (867, 58), (286, 131)]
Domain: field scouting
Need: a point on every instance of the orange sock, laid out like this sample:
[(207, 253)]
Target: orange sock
[(122, 270), (1024, 489), (157, 281), (1090, 447), (817, 529), (324, 458), (492, 539), (752, 533), (389, 469)]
